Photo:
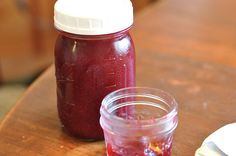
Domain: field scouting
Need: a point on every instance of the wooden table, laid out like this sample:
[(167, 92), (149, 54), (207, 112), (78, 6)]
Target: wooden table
[(185, 47)]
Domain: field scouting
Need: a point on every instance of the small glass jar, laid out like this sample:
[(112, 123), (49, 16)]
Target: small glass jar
[(138, 122)]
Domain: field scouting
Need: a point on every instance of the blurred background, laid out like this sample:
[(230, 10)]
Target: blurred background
[(27, 37)]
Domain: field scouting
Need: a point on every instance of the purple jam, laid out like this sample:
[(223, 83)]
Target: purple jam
[(87, 69)]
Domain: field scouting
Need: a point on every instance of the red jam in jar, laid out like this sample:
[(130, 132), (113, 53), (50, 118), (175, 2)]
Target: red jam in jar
[(93, 57), (138, 149), (144, 127)]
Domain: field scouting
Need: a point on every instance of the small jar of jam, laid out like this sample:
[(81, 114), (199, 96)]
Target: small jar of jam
[(94, 55), (138, 122)]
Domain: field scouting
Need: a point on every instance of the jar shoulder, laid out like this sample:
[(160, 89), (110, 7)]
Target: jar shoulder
[(120, 46)]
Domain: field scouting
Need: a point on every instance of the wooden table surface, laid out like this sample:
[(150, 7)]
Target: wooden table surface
[(185, 47)]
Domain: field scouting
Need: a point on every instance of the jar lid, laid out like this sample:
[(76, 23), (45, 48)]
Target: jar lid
[(93, 17)]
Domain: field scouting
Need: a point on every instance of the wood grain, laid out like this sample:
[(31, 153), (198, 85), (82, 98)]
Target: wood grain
[(140, 5), (205, 94), (204, 91), (202, 30), (184, 47)]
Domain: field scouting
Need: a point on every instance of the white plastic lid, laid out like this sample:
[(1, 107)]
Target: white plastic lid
[(93, 17)]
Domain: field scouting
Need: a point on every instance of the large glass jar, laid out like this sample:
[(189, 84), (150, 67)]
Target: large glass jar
[(89, 65)]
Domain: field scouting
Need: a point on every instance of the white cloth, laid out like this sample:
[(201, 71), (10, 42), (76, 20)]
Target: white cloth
[(220, 143)]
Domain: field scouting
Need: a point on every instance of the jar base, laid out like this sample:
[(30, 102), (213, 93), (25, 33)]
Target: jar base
[(82, 138)]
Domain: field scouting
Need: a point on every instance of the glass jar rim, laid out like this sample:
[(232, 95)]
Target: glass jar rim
[(170, 115)]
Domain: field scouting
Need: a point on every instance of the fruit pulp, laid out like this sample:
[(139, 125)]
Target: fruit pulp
[(154, 148)]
